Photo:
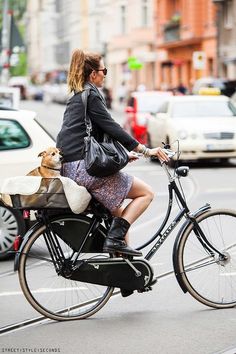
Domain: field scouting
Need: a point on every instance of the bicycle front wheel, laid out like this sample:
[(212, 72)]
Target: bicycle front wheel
[(209, 277), (53, 295)]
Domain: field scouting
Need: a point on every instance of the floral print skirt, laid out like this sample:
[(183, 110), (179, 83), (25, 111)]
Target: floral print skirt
[(109, 191)]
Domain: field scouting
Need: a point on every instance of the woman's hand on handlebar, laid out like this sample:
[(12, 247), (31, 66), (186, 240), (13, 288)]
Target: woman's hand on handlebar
[(159, 153)]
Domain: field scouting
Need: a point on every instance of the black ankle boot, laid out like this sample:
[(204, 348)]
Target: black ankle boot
[(115, 242)]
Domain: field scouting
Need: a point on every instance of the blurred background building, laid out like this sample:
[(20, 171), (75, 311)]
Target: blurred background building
[(147, 44), (226, 49)]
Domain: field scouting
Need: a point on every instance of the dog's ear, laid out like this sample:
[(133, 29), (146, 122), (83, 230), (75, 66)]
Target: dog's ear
[(43, 153)]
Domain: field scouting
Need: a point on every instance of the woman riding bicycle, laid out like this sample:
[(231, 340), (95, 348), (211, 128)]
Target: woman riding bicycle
[(88, 69)]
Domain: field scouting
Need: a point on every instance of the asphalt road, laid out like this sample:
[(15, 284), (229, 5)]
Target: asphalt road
[(164, 320)]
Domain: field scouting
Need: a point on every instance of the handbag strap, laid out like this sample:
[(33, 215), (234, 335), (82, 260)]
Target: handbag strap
[(84, 96), (87, 120)]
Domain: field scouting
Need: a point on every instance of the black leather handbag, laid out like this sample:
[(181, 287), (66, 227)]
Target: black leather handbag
[(101, 158)]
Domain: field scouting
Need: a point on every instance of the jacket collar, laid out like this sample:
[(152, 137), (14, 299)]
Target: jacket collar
[(89, 85)]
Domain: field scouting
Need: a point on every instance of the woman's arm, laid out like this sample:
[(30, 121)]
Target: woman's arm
[(101, 117), (158, 152)]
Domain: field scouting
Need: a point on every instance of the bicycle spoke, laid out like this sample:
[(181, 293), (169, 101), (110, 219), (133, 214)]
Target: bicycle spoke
[(198, 266)]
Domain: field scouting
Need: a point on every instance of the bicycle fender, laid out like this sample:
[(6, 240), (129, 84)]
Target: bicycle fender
[(193, 215), (25, 239)]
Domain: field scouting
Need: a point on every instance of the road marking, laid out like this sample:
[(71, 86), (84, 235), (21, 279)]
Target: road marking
[(157, 264), (41, 291), (220, 190), (145, 168)]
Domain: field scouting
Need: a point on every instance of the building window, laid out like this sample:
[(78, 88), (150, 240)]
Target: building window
[(144, 13), (228, 14), (58, 6), (123, 19), (97, 31)]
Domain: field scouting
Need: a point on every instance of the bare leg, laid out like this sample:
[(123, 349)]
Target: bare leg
[(141, 195)]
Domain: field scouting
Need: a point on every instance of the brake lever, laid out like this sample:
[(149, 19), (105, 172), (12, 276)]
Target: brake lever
[(166, 146)]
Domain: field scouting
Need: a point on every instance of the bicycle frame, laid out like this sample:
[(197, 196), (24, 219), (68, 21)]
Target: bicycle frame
[(184, 212)]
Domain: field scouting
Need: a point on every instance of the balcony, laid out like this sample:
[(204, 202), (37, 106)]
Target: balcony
[(171, 32)]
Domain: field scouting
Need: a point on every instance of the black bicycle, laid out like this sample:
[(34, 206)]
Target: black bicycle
[(65, 275)]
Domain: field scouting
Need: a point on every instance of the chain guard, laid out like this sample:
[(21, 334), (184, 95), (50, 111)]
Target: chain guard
[(114, 272)]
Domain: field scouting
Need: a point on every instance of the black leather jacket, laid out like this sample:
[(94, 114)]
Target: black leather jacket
[(71, 136)]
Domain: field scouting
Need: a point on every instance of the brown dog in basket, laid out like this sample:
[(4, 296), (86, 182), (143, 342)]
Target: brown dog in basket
[(50, 164), (51, 190)]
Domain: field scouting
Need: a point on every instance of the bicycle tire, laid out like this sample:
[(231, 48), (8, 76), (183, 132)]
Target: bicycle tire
[(209, 279), (50, 294)]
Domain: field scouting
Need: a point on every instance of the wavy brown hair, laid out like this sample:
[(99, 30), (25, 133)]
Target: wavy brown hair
[(81, 66)]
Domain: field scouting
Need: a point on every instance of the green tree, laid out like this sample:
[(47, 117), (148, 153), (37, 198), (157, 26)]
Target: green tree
[(18, 8)]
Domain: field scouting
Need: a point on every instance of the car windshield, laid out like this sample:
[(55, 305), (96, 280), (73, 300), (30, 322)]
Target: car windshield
[(150, 103), (203, 109)]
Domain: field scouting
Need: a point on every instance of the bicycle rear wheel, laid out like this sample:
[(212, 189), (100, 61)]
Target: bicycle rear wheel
[(50, 293), (208, 277)]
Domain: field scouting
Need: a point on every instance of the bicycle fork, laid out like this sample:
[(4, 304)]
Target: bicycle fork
[(204, 241)]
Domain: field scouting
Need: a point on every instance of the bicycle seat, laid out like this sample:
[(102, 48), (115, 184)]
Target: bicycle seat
[(182, 171)]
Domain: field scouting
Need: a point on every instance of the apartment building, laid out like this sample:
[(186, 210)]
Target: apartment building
[(54, 29), (133, 37), (174, 41), (226, 49), (185, 42), (119, 30)]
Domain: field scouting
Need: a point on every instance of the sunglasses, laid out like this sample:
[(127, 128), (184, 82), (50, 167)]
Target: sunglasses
[(103, 70)]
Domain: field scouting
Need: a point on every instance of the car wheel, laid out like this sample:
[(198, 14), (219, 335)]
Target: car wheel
[(11, 225), (224, 161)]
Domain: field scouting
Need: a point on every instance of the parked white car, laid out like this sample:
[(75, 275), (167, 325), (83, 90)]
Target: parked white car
[(55, 93), (204, 125), (21, 140)]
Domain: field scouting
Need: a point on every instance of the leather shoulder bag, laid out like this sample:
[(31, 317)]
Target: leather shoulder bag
[(101, 158)]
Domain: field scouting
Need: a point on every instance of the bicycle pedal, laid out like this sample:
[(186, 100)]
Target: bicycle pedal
[(147, 288)]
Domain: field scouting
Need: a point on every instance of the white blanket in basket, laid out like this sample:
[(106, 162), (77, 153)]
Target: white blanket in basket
[(77, 196)]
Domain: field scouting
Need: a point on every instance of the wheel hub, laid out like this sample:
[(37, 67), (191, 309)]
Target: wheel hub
[(225, 259), (66, 269)]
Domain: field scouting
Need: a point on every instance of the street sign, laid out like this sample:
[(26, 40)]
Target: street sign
[(199, 60), (134, 63)]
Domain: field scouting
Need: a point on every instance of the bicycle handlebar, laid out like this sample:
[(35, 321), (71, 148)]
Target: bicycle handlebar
[(170, 153)]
